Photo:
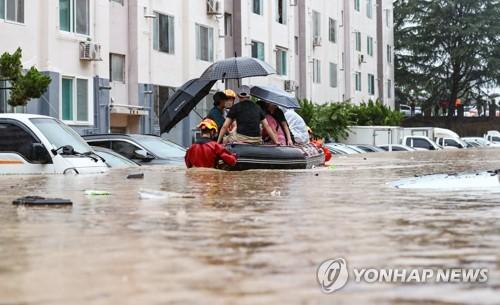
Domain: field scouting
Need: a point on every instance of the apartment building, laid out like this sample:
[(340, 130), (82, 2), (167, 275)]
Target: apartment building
[(114, 63)]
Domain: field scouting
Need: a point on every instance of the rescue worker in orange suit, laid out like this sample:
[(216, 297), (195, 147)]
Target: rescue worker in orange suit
[(319, 144), (207, 152)]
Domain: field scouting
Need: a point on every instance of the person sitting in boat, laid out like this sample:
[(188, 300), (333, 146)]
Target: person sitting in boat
[(319, 144), (206, 152), (217, 112), (248, 117), (298, 127), (277, 121)]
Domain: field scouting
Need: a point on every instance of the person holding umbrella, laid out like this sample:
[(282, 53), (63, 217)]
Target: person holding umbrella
[(248, 117)]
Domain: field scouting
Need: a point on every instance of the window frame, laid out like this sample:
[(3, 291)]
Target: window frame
[(357, 5), (369, 9), (358, 44), (316, 71), (281, 53), (316, 22), (259, 43), (334, 78), (284, 12), (124, 74), (210, 43), (90, 109), (261, 7), (332, 30), (72, 20), (4, 17), (369, 45), (371, 84), (358, 84), (157, 36)]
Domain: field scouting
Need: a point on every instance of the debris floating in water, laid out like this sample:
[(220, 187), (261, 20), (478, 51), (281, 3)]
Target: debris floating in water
[(41, 201), (136, 176), (97, 193), (276, 193), (153, 194)]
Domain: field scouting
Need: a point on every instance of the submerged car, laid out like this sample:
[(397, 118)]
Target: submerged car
[(369, 148), (341, 149), (396, 147), (113, 159), (143, 149), (37, 144)]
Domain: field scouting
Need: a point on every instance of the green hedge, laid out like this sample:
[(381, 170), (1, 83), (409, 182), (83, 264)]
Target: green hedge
[(332, 120)]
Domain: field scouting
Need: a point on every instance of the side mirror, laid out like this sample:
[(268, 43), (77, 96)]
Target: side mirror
[(143, 155), (40, 154)]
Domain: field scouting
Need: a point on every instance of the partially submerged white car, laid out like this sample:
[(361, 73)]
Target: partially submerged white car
[(36, 144)]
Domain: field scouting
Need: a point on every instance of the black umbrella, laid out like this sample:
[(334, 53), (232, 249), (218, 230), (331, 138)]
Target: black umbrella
[(180, 104), (275, 96), (236, 68)]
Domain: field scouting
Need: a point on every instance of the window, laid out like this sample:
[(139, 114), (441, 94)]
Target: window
[(204, 43), (389, 54), (228, 25), (389, 88), (371, 84), (332, 30), (12, 10), (281, 61), (117, 67), (257, 7), (103, 144), (357, 5), (333, 75), (296, 46), (316, 24), (369, 8), (258, 50), (358, 41), (164, 33), (74, 99), (118, 1), (316, 71), (125, 149), (369, 45), (15, 139), (281, 11), (357, 81), (387, 17), (421, 143), (74, 16)]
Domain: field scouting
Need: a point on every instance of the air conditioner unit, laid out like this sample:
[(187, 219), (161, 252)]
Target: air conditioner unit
[(317, 41), (90, 51), (290, 85), (361, 59), (214, 7)]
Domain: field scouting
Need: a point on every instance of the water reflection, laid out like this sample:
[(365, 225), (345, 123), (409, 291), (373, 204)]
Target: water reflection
[(249, 238)]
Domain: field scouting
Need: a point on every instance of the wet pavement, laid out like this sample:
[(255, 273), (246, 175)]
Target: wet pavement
[(251, 237)]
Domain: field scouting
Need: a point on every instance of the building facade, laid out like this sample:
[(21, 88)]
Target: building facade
[(114, 63)]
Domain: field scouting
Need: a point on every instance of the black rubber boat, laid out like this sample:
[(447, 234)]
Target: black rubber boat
[(275, 157)]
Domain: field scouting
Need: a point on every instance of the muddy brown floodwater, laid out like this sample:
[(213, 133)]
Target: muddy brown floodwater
[(250, 237)]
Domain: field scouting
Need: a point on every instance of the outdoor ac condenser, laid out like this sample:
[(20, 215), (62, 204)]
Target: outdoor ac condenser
[(90, 51)]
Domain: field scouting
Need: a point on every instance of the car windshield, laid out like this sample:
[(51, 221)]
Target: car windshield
[(161, 148), (60, 134)]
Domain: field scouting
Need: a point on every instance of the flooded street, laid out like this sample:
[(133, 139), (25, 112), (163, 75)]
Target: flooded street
[(250, 237)]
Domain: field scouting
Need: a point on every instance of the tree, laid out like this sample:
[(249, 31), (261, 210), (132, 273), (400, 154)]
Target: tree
[(446, 49), (24, 86)]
